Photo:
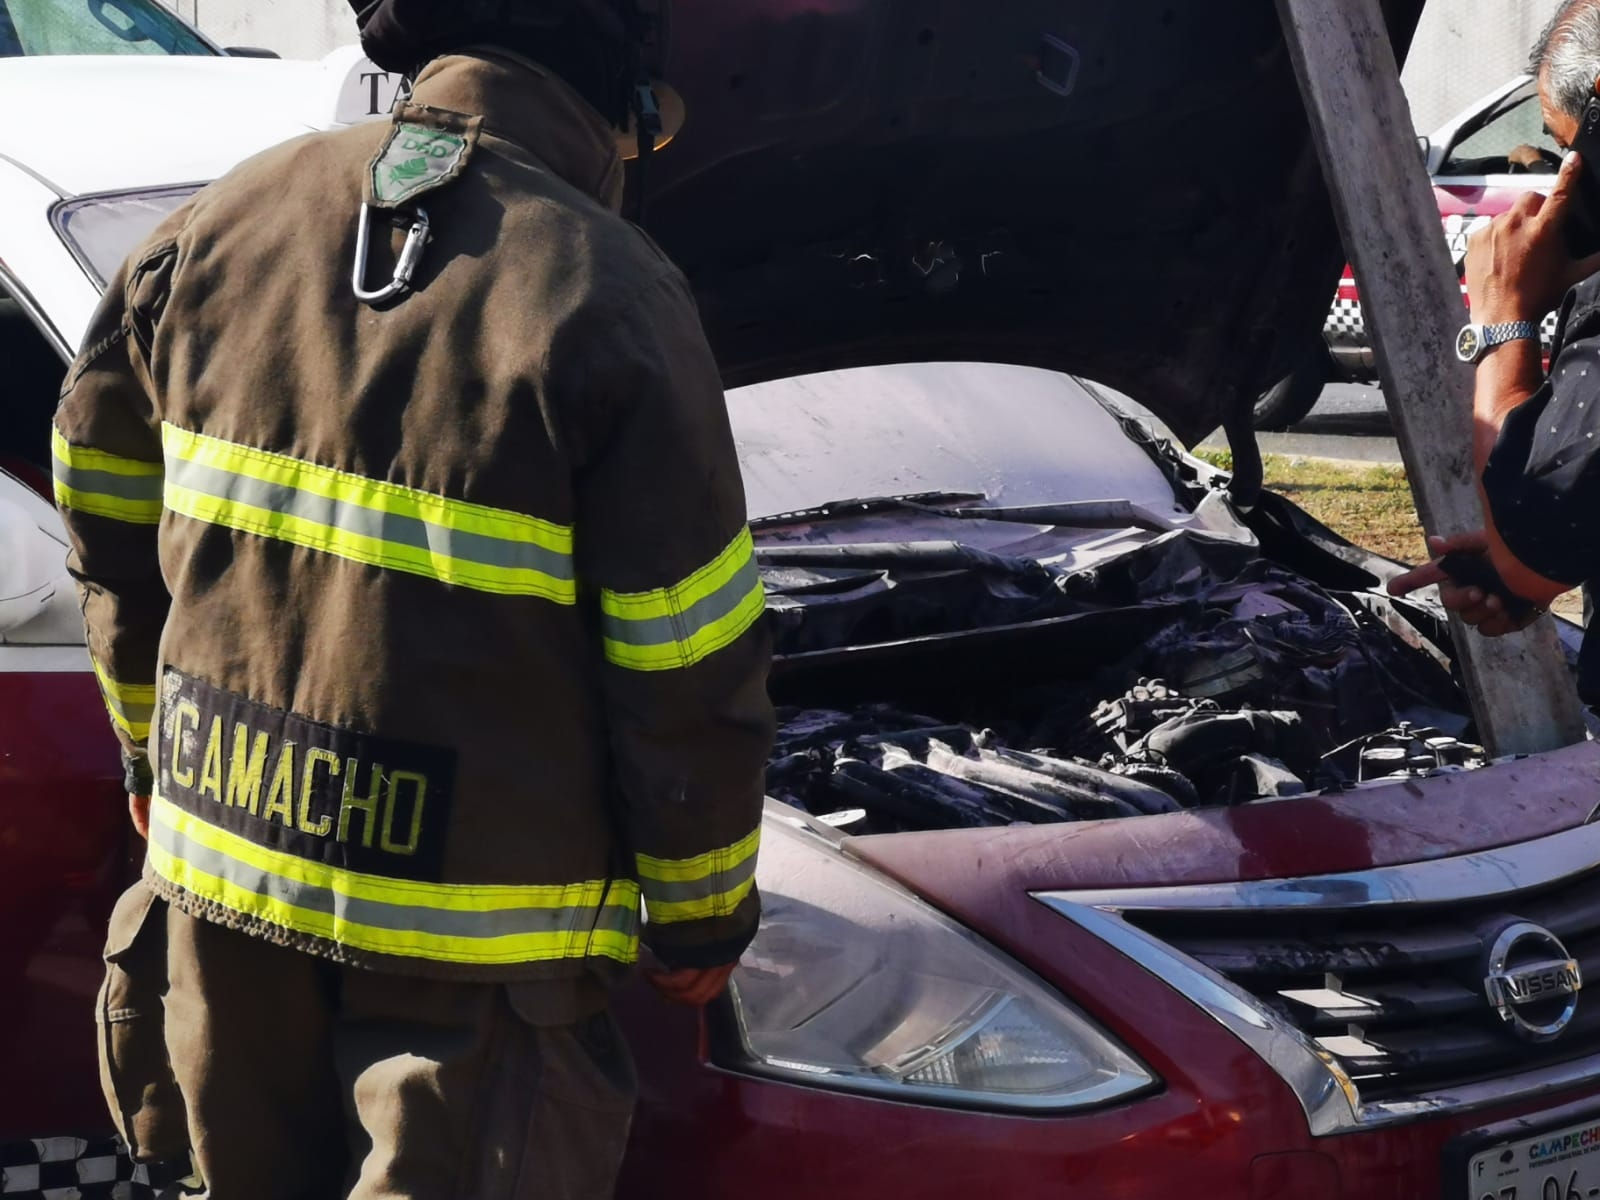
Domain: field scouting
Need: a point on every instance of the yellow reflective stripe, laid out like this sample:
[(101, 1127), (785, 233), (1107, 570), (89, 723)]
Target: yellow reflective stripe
[(124, 693), (699, 645), (669, 601), (712, 884), (105, 485), (681, 625), (131, 705), (85, 458), (441, 922), (366, 520), (718, 904), (134, 512), (701, 866), (358, 490)]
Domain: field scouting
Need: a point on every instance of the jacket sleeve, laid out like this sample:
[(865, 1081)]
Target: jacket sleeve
[(108, 487), (1542, 480), (664, 550)]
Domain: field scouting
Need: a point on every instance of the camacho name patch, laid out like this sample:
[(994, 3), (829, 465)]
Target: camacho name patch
[(334, 796)]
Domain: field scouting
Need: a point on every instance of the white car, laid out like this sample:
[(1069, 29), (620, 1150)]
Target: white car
[(1476, 176), (76, 193)]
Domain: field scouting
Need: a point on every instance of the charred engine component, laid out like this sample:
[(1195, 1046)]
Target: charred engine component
[(1202, 752), (1405, 752), (1149, 703), (879, 769)]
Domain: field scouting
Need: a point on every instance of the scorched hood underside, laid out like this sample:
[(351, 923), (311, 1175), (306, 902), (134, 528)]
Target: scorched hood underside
[(1125, 191)]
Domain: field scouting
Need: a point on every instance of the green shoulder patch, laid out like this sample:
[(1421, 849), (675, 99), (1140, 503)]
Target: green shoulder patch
[(415, 159)]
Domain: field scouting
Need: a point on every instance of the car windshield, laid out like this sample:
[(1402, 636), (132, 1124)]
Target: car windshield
[(29, 27), (1515, 121)]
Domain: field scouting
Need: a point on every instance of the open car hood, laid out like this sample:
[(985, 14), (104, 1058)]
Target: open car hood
[(1127, 192)]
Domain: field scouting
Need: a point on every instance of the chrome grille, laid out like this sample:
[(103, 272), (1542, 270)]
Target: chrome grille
[(1367, 991), (1396, 992)]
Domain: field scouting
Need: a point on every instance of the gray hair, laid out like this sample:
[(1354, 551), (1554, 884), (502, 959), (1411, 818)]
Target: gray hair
[(1567, 58)]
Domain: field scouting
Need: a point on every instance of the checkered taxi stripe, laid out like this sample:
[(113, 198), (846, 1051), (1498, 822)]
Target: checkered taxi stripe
[(67, 1168), (1346, 327)]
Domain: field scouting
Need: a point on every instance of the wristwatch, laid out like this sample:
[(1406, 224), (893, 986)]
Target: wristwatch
[(1474, 341)]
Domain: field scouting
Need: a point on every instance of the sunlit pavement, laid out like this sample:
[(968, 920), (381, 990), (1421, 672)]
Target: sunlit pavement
[(1350, 422)]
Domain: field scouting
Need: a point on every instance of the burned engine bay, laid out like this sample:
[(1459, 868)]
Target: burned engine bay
[(944, 666)]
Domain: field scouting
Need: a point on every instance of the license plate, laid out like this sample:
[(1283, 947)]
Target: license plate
[(1563, 1164)]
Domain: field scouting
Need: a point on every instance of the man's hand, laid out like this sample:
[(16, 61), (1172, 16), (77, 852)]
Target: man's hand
[(693, 986), (139, 810), (1530, 158), (1518, 267), (1484, 612)]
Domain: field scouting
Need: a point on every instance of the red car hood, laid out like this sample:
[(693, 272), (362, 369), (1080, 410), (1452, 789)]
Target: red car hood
[(966, 872)]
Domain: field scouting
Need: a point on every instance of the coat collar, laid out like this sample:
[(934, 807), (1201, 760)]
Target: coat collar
[(529, 106)]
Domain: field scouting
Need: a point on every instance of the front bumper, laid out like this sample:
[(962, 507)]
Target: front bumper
[(726, 1138), (714, 1135)]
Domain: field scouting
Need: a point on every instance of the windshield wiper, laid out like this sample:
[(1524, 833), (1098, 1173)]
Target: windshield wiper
[(1079, 514), (929, 502), (925, 556), (1075, 514)]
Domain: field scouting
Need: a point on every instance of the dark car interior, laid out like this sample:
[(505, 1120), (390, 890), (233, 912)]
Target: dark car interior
[(33, 378), (1509, 139)]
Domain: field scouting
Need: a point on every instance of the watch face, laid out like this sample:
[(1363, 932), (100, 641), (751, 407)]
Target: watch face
[(1468, 343)]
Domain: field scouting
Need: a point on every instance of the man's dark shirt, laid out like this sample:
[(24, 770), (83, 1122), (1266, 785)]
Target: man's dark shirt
[(1543, 478)]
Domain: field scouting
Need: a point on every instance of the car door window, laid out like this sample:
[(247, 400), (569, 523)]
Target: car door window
[(33, 376), (1516, 122), (29, 27)]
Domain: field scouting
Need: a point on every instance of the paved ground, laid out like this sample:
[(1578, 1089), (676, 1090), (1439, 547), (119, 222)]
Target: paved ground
[(1350, 422)]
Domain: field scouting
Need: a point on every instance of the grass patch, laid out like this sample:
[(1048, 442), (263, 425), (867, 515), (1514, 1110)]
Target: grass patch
[(1370, 506)]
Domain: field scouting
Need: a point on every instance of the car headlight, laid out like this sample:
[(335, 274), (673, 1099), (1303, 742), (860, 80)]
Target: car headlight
[(854, 983), (102, 230)]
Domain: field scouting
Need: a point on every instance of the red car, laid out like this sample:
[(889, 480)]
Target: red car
[(1480, 162), (1125, 840)]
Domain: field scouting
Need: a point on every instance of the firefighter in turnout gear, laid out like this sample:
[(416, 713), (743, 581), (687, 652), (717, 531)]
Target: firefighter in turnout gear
[(413, 555)]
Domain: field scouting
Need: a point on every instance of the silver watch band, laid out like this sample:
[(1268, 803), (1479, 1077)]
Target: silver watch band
[(1509, 331)]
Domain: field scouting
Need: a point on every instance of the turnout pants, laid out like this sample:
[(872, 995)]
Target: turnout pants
[(304, 1080)]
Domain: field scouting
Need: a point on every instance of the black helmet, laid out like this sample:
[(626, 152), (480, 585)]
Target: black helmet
[(597, 45), (400, 34), (609, 51)]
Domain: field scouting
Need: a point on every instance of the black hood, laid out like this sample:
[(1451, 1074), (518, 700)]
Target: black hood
[(1125, 191)]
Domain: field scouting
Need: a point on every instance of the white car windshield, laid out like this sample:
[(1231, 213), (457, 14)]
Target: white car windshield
[(29, 27)]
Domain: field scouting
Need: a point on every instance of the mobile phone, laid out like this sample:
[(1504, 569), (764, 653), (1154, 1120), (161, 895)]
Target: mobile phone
[(1583, 221), (1475, 570)]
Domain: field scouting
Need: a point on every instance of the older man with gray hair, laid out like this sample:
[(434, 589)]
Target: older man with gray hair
[(1536, 439)]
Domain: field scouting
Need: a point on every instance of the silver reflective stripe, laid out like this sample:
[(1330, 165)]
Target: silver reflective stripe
[(132, 711), (368, 522), (109, 483), (686, 891), (491, 923), (665, 631)]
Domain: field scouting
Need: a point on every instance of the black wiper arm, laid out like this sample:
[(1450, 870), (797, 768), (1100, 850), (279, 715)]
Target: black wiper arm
[(1077, 514), (926, 556), (1080, 514), (932, 502)]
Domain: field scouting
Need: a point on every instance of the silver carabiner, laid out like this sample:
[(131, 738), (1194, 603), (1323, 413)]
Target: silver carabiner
[(404, 268)]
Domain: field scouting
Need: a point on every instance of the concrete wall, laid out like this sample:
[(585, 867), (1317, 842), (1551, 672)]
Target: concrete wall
[(294, 28), (1463, 48)]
